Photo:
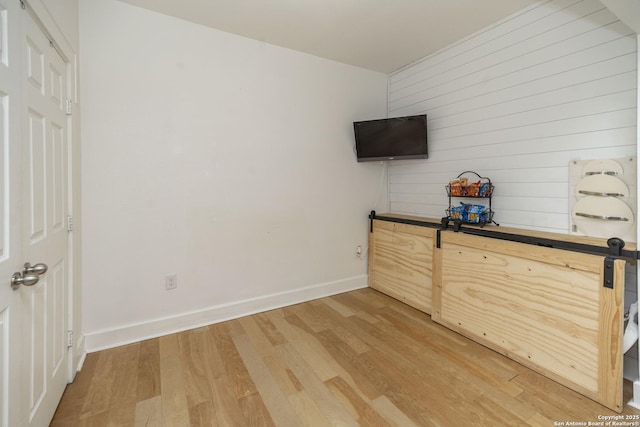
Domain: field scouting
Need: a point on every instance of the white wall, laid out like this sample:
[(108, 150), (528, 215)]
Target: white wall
[(516, 102), (226, 161)]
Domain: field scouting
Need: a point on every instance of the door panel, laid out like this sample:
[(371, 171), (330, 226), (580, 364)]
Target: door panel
[(58, 151), (35, 144), (56, 293), (35, 65), (4, 145), (33, 206), (45, 236)]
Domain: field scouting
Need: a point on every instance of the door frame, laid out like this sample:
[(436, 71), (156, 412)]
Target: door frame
[(43, 17)]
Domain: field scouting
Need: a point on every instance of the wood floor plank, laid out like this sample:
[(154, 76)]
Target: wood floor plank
[(294, 380), (227, 409), (319, 356), (391, 413), (416, 391), (233, 327), (264, 346), (539, 420), (70, 407), (354, 359), (255, 412), (148, 370), (307, 410), (122, 407), (338, 307), (175, 410), (352, 363), (202, 414), (194, 354), (362, 411), (542, 394), (490, 370), (361, 307), (215, 365), (423, 364), (490, 413), (307, 346), (336, 321), (96, 420), (101, 388), (373, 298), (149, 412), (236, 372), (328, 404), (269, 329), (274, 399), (312, 316)]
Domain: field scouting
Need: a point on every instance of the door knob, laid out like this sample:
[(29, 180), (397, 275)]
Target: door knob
[(28, 280), (38, 269)]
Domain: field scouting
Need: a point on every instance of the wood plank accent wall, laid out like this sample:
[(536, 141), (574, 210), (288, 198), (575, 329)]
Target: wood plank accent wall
[(516, 102)]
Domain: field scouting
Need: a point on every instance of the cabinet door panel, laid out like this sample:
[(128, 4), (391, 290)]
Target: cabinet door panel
[(545, 308), (400, 262)]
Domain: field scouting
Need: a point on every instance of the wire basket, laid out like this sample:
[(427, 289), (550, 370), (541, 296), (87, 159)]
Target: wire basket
[(470, 214)]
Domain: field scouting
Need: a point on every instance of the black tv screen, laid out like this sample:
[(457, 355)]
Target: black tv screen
[(391, 139)]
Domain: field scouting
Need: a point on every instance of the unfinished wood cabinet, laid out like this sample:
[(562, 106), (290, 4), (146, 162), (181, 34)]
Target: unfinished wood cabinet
[(545, 308), (542, 299), (400, 260)]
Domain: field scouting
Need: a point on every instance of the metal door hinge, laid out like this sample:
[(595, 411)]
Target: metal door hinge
[(69, 107), (69, 223), (69, 339)]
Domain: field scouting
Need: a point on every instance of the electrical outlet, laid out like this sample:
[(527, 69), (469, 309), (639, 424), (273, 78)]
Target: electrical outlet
[(359, 251), (171, 281)]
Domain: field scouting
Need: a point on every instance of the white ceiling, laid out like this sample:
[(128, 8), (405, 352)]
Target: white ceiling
[(379, 35)]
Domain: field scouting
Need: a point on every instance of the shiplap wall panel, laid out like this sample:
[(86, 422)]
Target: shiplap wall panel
[(523, 92), (515, 73), (507, 60), (517, 102), (491, 39)]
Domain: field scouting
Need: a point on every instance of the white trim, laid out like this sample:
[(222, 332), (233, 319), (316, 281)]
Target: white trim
[(83, 357), (109, 338)]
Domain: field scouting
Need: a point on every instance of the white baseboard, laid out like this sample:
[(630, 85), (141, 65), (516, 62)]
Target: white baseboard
[(81, 360), (77, 356), (109, 338)]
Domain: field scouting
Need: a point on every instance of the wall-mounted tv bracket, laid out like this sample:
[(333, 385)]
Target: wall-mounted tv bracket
[(613, 251)]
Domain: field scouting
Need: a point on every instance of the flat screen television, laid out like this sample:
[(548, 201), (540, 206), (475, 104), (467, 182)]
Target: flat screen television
[(391, 139)]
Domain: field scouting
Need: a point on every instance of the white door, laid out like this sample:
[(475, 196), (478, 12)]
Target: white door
[(33, 206), (44, 206), (10, 213)]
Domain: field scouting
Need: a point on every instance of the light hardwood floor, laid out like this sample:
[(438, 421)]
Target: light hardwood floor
[(354, 359)]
